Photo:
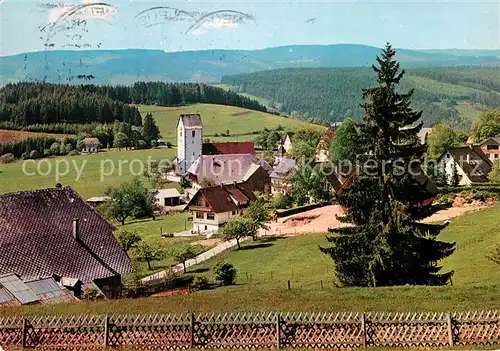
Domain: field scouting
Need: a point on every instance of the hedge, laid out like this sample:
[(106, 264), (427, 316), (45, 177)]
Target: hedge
[(295, 210)]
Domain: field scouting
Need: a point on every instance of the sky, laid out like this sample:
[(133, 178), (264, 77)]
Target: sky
[(36, 25)]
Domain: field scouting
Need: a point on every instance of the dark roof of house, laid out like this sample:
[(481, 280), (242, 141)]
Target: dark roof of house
[(264, 164), (478, 166), (222, 169), (37, 241), (219, 197), (283, 168), (495, 139), (228, 148), (190, 120)]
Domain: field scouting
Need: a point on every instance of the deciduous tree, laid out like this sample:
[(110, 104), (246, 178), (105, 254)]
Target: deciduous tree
[(238, 228)]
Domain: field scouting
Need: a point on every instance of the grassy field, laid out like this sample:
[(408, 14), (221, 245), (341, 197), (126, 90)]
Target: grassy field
[(16, 135), (218, 119), (150, 231), (266, 266), (97, 172)]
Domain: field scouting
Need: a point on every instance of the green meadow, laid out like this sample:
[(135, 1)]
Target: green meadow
[(265, 267)]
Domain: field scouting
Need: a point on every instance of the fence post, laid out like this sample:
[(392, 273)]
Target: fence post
[(106, 331), (278, 331), (191, 330), (450, 329), (363, 330), (25, 333)]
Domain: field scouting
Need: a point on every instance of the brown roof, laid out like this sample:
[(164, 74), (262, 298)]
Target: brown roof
[(218, 198), (36, 237), (91, 141), (190, 120)]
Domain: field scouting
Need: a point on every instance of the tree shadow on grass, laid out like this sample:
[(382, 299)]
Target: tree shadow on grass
[(269, 239), (255, 246), (198, 270)]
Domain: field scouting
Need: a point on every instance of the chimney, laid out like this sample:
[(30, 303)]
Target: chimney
[(76, 229)]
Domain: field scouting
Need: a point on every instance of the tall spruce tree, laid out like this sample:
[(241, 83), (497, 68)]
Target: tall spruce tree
[(385, 245)]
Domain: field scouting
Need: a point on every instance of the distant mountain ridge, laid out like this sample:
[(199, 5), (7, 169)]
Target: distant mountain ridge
[(129, 66)]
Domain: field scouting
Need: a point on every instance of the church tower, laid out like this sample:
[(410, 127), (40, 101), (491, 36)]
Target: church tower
[(189, 141)]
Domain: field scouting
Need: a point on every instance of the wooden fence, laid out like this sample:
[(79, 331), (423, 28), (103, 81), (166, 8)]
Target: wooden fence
[(252, 330)]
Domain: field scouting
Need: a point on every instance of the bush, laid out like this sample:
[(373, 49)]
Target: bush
[(281, 201), (25, 155), (225, 273), (200, 282), (34, 154), (169, 144), (141, 144), (154, 143), (7, 158), (73, 153), (91, 294)]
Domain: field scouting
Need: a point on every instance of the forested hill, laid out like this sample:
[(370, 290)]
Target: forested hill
[(23, 104), (336, 93), (130, 66)]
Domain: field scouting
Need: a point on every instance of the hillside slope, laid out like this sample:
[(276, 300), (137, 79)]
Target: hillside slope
[(336, 93), (128, 66), (217, 119)]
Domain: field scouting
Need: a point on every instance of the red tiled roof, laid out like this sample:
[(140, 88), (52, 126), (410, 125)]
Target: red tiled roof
[(36, 237), (234, 148)]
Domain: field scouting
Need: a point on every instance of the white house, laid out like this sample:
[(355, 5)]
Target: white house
[(90, 146), (168, 197), (190, 141), (214, 206), (471, 162)]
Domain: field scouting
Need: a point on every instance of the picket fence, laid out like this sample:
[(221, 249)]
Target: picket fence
[(251, 330)]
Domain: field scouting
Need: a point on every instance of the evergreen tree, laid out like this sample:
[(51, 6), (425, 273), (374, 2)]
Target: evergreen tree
[(150, 130), (386, 245), (455, 177)]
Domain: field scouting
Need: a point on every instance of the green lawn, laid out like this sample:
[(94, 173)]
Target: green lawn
[(219, 118), (270, 264), (150, 231), (98, 171)]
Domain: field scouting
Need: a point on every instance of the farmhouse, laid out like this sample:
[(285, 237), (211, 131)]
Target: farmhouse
[(471, 162), (281, 182), (213, 206), (54, 233), (228, 169), (90, 146), (491, 147)]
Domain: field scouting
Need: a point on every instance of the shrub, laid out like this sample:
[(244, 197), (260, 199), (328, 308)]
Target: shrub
[(55, 148), (169, 144), (73, 153), (200, 282), (25, 155), (91, 294), (141, 144), (7, 158), (154, 143), (216, 134), (34, 154), (281, 201), (225, 273)]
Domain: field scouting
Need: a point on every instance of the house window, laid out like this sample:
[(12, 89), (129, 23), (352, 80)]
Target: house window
[(194, 133), (206, 228), (199, 215), (233, 213), (492, 147), (211, 216)]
